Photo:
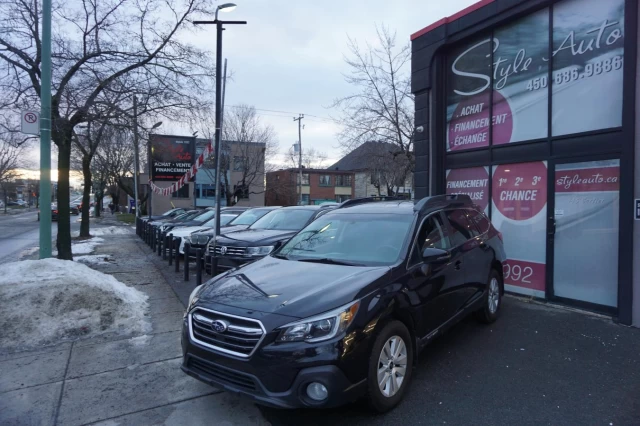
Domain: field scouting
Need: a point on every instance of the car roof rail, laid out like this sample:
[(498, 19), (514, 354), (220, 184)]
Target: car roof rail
[(372, 199), (441, 201)]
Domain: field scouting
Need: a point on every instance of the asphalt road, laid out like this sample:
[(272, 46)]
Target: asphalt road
[(535, 366), (20, 232)]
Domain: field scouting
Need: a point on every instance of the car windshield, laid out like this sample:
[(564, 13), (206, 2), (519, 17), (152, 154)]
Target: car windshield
[(182, 216), (167, 213), (364, 239), (224, 219), (249, 217), (284, 219), (205, 216)]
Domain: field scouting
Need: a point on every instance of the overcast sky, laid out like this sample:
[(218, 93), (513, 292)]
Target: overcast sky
[(290, 56)]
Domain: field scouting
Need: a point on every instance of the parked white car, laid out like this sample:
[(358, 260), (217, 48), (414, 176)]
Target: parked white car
[(185, 232)]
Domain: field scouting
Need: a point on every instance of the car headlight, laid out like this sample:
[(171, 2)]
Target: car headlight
[(259, 251), (193, 297), (187, 239), (320, 327)]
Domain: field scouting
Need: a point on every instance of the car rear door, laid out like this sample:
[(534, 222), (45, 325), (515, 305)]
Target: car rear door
[(461, 234), (430, 294), (480, 256)]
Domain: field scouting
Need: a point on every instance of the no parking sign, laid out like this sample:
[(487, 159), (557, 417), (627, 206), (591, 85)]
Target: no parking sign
[(30, 122)]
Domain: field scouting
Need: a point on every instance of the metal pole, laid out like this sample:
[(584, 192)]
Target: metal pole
[(45, 134), (187, 253), (299, 120), (136, 149), (218, 120)]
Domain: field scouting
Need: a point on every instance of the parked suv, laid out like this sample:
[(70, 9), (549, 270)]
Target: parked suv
[(344, 308), (265, 235)]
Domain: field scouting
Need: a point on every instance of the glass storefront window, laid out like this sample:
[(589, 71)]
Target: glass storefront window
[(588, 54), (519, 211), (472, 181), (587, 209), (521, 79), (468, 92)]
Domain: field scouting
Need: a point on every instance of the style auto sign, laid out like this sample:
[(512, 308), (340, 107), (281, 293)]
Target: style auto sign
[(517, 72)]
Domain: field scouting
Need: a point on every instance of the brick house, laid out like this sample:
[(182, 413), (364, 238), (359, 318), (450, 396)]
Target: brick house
[(318, 186)]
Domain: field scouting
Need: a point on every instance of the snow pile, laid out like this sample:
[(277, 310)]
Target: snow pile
[(85, 246), (96, 259), (43, 302), (111, 230)]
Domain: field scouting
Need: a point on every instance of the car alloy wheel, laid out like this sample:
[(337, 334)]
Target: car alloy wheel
[(494, 295), (392, 366)]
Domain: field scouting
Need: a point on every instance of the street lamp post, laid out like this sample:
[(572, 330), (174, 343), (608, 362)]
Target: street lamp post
[(227, 7)]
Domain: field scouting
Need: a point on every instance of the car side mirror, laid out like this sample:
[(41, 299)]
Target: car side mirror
[(434, 255)]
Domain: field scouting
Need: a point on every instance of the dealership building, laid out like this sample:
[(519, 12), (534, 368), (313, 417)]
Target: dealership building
[(529, 107)]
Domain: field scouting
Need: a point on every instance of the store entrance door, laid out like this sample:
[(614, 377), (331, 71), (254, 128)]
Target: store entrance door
[(585, 242)]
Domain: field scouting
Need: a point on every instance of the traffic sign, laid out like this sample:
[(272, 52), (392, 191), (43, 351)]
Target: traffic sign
[(30, 122)]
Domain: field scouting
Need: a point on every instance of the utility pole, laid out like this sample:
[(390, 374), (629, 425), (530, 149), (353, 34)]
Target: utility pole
[(299, 120)]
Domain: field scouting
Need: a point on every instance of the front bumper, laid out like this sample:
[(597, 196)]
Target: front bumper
[(340, 389), (278, 375)]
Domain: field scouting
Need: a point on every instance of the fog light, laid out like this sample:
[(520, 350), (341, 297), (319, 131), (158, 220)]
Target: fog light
[(317, 391)]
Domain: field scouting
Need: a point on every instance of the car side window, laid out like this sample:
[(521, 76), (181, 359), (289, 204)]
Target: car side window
[(479, 220), (461, 228), (433, 234)]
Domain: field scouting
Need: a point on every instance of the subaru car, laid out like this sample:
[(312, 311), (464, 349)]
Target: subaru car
[(343, 309), (265, 235)]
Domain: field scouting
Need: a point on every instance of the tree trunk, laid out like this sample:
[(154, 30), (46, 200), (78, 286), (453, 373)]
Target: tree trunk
[(99, 197), (64, 225), (86, 196)]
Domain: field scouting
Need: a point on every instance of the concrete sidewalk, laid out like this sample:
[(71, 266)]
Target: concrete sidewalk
[(116, 381)]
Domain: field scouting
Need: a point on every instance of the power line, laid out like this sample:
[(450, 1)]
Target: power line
[(283, 112)]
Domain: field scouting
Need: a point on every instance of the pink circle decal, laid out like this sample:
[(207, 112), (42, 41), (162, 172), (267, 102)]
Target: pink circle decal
[(469, 125), (520, 190), (473, 182)]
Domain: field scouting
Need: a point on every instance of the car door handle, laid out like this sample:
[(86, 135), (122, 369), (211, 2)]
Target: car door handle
[(457, 264)]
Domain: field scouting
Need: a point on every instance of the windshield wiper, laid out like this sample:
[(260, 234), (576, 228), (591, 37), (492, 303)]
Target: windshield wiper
[(328, 261), (280, 256)]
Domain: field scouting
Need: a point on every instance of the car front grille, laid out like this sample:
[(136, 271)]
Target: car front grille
[(222, 374), (239, 336), (230, 251)]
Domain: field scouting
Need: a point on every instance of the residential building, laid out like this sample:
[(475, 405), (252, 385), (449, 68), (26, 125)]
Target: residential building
[(378, 170), (318, 186)]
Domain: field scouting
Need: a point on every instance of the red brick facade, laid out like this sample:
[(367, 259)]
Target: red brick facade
[(282, 189)]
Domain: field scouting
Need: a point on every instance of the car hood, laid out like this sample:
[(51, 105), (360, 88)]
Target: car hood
[(223, 230), (253, 237), (185, 231), (292, 288)]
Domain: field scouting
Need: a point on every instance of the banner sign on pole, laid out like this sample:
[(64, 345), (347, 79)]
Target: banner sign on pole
[(190, 174)]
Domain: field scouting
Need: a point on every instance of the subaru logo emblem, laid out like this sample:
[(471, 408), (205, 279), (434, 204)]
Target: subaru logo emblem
[(219, 326), (223, 250)]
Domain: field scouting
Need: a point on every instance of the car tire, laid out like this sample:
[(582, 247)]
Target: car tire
[(386, 385), (492, 300)]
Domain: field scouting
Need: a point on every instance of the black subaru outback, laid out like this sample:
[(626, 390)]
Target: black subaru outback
[(343, 308)]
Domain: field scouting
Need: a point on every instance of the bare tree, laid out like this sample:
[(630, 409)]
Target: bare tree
[(99, 46), (382, 107), (11, 155), (311, 158), (248, 148)]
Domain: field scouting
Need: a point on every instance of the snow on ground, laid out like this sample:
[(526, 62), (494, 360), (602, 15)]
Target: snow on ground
[(111, 230), (47, 301), (94, 259), (85, 246), (28, 252)]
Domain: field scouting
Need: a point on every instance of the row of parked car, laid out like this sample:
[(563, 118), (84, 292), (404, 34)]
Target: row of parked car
[(321, 305)]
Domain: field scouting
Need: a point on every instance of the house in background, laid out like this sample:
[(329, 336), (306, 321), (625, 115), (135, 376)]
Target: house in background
[(378, 170), (318, 186)]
